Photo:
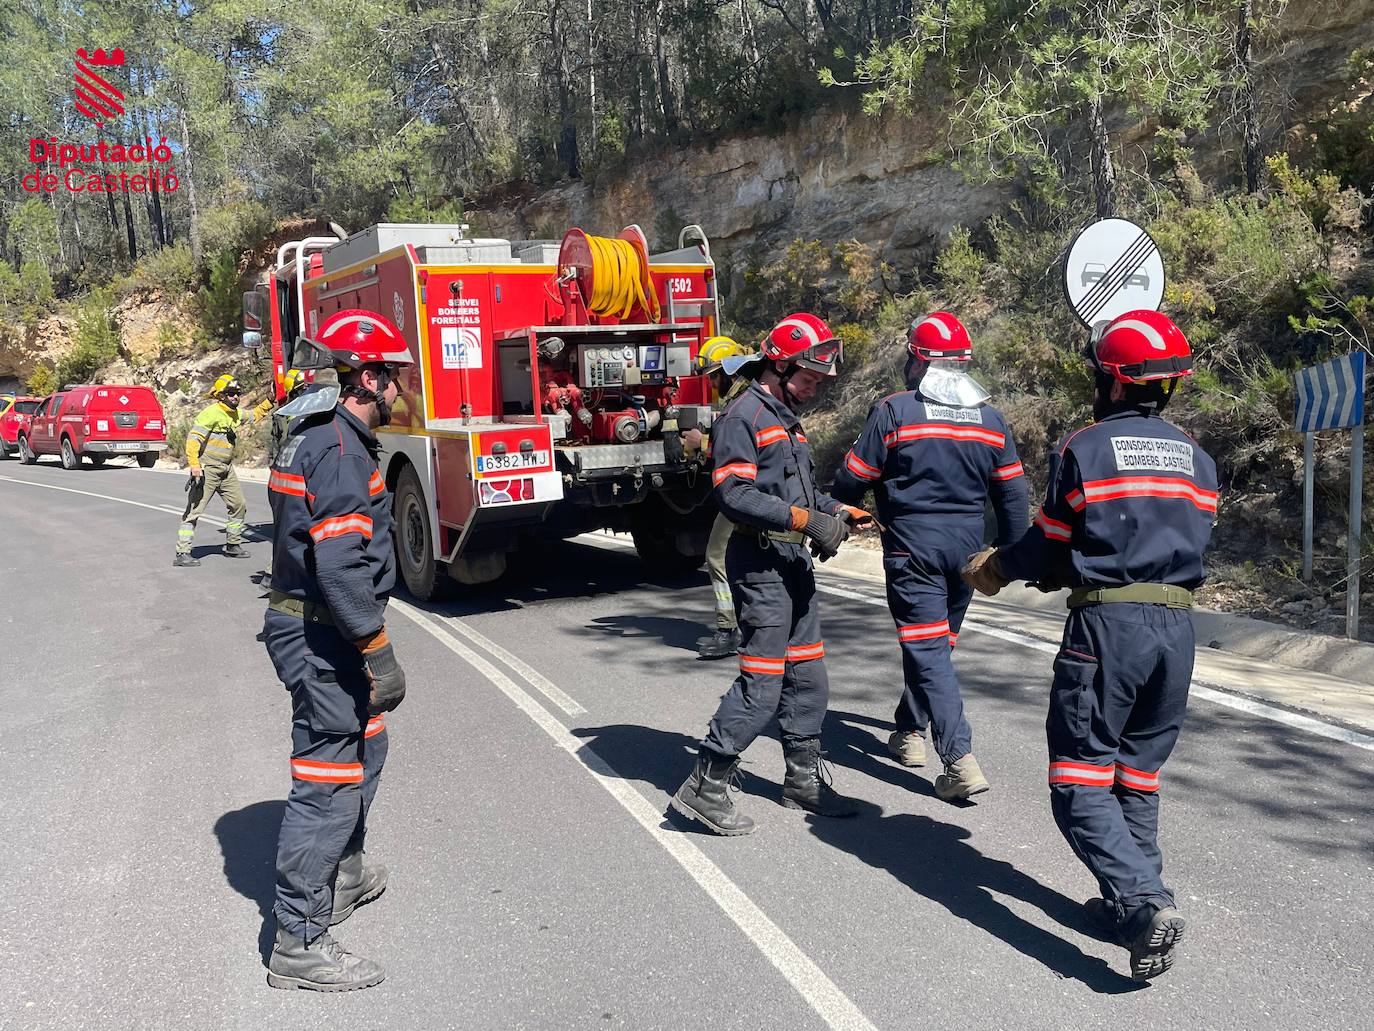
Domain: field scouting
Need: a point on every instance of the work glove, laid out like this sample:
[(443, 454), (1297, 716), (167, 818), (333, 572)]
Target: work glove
[(825, 532), (983, 573), (858, 518), (384, 673), (264, 406), (673, 453)]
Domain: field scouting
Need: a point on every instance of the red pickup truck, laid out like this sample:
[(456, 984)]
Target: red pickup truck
[(14, 416), (95, 422)]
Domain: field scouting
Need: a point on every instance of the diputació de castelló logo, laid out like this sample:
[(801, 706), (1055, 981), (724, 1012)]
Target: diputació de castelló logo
[(85, 167)]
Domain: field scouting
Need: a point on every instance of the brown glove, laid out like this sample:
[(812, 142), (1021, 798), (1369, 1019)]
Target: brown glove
[(983, 573), (858, 518)]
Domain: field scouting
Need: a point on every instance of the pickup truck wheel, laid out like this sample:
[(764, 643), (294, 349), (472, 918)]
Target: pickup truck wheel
[(96, 460), (415, 539), (147, 460), (26, 454), (70, 459)]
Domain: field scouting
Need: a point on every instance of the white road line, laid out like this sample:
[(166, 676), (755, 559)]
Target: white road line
[(1198, 689), (810, 981), (92, 494), (528, 673)]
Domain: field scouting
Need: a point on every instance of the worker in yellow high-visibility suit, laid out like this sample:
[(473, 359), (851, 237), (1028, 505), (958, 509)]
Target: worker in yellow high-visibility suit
[(209, 453)]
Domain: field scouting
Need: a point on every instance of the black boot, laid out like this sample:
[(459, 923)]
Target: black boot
[(1152, 934), (720, 645), (808, 780), (323, 965), (356, 885), (705, 795), (235, 551)]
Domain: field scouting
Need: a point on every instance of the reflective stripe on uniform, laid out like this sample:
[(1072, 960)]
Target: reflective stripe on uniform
[(376, 485), (762, 664), (327, 773), (1008, 472), (806, 652), (340, 525), (771, 435), (286, 483), (1054, 529), (1150, 487), (744, 470), (944, 431), (1081, 773), (953, 638), (374, 726), (923, 631), (860, 468), (1136, 780)]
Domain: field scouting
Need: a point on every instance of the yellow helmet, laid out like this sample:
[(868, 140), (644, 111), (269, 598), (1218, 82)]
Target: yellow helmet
[(715, 351), (225, 382), (294, 378)]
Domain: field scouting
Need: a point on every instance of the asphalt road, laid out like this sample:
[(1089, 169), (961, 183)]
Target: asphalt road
[(535, 881)]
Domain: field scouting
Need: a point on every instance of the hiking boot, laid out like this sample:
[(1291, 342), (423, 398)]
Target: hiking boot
[(908, 747), (356, 885), (1152, 948), (807, 784), (185, 560), (321, 966), (1105, 918), (705, 795), (235, 551), (720, 645), (962, 778)]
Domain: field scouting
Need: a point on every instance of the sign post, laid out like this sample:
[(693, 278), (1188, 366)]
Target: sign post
[(1330, 397)]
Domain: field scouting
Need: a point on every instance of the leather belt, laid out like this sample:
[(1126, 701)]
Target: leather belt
[(1146, 594), (311, 612)]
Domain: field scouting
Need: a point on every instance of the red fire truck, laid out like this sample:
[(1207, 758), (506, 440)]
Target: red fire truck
[(548, 376)]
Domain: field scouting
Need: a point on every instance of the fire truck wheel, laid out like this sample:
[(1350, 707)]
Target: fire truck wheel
[(70, 459), (415, 539), (658, 551)]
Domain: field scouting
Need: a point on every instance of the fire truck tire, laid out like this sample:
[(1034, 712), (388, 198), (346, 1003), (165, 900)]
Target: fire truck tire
[(658, 551), (70, 459), (415, 539)]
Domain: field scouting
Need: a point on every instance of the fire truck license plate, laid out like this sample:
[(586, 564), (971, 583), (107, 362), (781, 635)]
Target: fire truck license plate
[(512, 460)]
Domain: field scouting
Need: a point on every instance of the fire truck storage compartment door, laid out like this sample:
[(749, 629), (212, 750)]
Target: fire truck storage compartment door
[(455, 483), (461, 364), (517, 389)]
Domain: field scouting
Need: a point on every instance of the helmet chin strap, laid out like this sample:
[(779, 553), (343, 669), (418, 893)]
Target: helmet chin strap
[(376, 397)]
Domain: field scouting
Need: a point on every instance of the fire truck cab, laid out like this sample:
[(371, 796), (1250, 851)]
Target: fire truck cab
[(549, 377)]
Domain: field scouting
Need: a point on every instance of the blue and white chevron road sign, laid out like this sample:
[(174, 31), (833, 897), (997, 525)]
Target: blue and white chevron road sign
[(1331, 395)]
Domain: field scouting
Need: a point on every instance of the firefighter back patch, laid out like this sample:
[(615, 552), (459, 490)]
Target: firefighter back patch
[(1152, 454), (948, 414)]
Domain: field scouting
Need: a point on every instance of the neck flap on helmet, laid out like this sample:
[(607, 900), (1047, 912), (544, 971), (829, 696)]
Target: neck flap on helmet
[(947, 383)]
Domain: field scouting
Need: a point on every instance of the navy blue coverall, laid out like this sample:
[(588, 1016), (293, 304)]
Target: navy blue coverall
[(332, 550), (932, 468), (1131, 500), (763, 469)]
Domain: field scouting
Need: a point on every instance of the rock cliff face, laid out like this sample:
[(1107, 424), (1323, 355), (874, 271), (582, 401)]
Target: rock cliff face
[(837, 175)]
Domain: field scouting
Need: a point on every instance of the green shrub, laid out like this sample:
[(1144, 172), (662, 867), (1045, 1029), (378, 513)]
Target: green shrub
[(96, 338), (42, 381), (35, 284), (221, 304), (235, 227), (408, 208), (169, 271), (176, 438), (960, 267)]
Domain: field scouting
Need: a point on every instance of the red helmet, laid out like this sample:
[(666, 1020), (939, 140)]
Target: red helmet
[(1142, 345), (939, 337), (355, 338), (805, 339)]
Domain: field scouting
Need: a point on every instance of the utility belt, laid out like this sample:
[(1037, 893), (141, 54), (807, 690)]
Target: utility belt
[(310, 611), (781, 536), (1145, 594)]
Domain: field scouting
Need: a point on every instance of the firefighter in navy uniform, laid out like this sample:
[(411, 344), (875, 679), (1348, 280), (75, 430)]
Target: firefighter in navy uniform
[(1127, 515), (333, 568), (764, 483), (933, 454)]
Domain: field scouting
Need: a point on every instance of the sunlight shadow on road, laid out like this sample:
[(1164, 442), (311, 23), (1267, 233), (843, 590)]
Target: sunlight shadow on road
[(935, 860), (248, 842)]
